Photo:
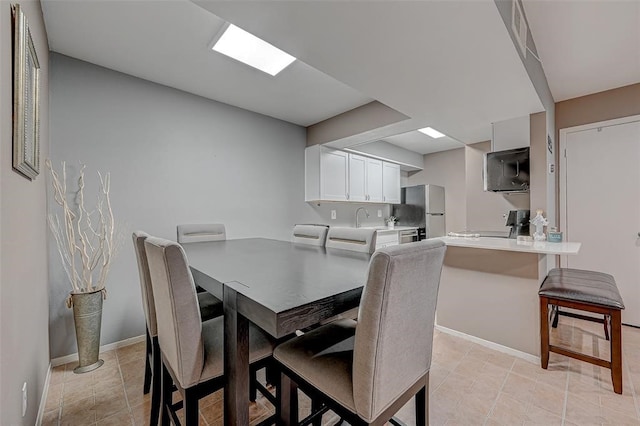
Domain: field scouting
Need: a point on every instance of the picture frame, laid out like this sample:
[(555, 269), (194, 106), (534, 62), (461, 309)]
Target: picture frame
[(26, 98)]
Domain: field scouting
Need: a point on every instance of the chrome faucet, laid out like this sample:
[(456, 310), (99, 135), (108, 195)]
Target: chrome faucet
[(358, 211)]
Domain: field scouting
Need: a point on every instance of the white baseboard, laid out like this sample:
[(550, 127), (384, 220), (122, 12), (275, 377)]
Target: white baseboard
[(43, 397), (491, 345), (111, 346)]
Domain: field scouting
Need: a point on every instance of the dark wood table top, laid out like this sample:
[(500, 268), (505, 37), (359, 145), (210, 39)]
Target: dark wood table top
[(281, 286)]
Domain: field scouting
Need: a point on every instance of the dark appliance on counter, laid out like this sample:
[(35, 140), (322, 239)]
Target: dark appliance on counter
[(507, 171), (518, 220), (422, 206)]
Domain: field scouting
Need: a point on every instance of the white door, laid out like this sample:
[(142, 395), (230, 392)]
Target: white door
[(601, 194)]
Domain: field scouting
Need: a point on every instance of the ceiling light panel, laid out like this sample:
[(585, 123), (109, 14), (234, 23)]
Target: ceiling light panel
[(432, 132), (251, 50)]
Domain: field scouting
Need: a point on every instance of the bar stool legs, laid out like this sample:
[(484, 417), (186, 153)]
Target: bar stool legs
[(612, 317), (616, 350)]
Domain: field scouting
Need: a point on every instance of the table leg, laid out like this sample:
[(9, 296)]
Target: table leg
[(236, 362)]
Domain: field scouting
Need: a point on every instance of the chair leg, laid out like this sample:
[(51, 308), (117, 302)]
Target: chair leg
[(544, 332), (287, 397), (156, 391), (616, 351), (147, 366), (191, 412), (272, 374), (555, 312), (422, 405), (167, 385), (315, 406), (253, 388), (607, 322)]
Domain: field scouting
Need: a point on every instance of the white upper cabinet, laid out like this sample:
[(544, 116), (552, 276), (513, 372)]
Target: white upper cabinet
[(326, 174), (391, 183), (365, 179), (374, 180), (333, 175), (357, 177)]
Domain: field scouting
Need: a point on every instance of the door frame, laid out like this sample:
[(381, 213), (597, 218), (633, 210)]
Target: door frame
[(562, 175)]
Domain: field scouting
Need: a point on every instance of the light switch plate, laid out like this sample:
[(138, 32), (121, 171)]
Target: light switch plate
[(379, 213), (333, 214)]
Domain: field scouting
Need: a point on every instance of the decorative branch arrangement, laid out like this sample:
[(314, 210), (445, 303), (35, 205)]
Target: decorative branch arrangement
[(87, 240)]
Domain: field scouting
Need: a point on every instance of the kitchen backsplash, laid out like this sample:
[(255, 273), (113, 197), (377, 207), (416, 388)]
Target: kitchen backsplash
[(346, 213)]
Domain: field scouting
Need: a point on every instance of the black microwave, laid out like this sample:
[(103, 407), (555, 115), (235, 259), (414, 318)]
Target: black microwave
[(507, 171)]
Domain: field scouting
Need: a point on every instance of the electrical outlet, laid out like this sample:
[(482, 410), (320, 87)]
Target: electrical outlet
[(24, 399), (379, 213), (333, 214)]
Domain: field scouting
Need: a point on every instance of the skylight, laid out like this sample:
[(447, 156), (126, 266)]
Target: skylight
[(251, 50), (431, 132)]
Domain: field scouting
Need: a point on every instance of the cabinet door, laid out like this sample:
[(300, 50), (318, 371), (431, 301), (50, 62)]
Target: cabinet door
[(390, 183), (374, 180), (357, 178), (333, 175)]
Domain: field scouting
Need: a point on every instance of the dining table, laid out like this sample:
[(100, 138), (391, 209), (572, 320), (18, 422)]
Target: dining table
[(279, 286)]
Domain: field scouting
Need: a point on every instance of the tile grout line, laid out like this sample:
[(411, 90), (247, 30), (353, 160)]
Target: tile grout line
[(633, 390), (493, 406), (124, 388), (566, 397)]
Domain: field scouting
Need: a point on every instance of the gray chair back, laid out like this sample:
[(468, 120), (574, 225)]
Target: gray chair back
[(313, 235), (145, 282), (201, 232), (354, 239), (179, 327), (394, 335)]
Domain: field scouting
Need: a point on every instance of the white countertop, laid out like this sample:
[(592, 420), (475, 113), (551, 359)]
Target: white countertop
[(509, 244)]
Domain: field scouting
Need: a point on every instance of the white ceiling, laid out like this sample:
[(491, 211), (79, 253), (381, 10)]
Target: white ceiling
[(168, 42), (423, 144), (450, 65), (586, 46)]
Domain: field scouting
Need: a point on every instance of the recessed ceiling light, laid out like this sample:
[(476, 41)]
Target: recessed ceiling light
[(249, 49), (432, 132)]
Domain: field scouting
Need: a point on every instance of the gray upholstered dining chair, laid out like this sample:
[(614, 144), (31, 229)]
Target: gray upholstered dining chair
[(209, 306), (192, 350), (201, 232), (313, 235), (367, 370), (355, 239)]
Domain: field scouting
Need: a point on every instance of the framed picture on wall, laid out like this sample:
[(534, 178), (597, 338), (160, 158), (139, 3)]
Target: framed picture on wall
[(26, 94)]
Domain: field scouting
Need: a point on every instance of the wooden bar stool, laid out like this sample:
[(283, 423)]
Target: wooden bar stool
[(588, 291)]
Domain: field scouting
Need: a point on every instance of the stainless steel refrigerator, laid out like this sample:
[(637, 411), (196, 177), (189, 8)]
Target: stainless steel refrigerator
[(422, 206)]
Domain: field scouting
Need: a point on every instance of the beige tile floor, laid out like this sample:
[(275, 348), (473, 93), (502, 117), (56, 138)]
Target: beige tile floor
[(469, 385)]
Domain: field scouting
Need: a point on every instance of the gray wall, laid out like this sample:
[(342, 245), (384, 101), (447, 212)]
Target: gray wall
[(174, 158), (24, 300), (446, 169)]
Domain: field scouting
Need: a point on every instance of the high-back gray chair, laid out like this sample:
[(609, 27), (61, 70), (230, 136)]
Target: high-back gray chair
[(192, 351), (209, 307), (367, 370), (201, 232), (313, 235), (354, 239)]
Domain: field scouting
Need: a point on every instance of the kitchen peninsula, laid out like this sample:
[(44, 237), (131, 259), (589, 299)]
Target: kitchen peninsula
[(489, 289)]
